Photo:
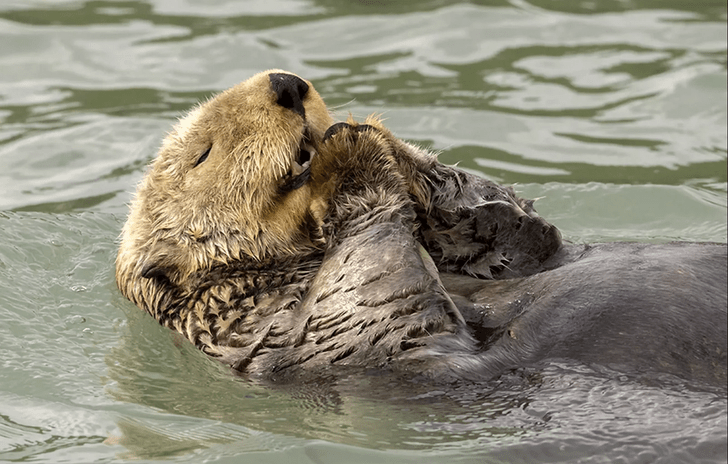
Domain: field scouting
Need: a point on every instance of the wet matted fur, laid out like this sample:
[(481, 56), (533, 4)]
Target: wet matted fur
[(285, 245)]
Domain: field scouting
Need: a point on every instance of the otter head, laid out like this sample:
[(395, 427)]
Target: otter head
[(230, 182)]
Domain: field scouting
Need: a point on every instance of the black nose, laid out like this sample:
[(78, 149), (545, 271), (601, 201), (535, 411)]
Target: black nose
[(290, 90)]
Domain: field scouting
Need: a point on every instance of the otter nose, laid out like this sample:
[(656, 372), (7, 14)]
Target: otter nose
[(290, 90)]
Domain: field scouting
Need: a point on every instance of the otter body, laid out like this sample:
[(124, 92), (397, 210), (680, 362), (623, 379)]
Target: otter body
[(635, 307), (286, 245)]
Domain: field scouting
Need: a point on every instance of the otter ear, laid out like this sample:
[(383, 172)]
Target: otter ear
[(158, 262)]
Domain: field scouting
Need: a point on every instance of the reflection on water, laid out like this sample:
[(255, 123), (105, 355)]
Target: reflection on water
[(613, 112)]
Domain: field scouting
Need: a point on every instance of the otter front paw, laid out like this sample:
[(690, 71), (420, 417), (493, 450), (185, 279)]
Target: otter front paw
[(362, 157), (358, 161)]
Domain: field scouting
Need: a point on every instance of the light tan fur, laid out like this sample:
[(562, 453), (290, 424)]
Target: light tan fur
[(186, 218)]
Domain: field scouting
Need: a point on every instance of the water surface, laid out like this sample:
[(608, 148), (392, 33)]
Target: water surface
[(612, 113)]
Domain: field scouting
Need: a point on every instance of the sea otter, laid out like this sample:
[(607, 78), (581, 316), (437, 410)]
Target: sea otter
[(286, 245)]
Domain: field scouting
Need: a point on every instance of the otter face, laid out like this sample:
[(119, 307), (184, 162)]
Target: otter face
[(230, 182)]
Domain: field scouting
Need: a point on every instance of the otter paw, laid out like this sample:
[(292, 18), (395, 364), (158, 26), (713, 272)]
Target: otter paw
[(359, 148), (341, 126), (361, 158)]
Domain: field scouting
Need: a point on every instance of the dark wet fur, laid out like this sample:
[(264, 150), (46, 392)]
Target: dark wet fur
[(493, 289), (525, 296)]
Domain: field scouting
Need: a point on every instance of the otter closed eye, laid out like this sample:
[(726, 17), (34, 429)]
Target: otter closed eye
[(202, 157)]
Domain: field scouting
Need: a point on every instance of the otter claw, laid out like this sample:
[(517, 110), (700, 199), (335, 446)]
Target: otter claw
[(339, 126), (335, 129), (364, 128)]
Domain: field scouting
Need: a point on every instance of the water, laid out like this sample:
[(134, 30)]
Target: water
[(613, 112)]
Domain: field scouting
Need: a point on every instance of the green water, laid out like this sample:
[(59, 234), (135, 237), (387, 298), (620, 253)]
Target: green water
[(612, 112)]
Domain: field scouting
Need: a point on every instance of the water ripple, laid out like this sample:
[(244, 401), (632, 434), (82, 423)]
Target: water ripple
[(612, 112)]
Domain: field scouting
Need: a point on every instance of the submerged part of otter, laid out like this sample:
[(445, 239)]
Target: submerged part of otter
[(286, 245)]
